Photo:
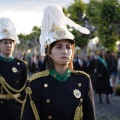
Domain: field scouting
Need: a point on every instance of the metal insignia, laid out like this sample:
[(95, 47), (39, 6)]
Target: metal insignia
[(14, 70), (77, 93), (60, 34)]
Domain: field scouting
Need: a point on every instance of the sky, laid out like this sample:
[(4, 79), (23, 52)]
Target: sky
[(25, 14)]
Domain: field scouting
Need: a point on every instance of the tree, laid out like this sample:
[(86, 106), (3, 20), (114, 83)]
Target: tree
[(105, 16), (76, 12), (29, 41)]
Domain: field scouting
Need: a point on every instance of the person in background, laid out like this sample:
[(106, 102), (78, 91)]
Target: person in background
[(58, 93), (103, 75), (80, 63), (41, 64), (33, 63), (13, 73), (114, 71), (91, 67)]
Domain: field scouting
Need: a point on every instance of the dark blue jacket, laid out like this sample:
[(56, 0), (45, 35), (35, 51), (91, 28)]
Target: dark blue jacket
[(55, 99), (15, 74)]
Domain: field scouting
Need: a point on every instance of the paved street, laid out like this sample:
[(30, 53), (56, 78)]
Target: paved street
[(106, 111)]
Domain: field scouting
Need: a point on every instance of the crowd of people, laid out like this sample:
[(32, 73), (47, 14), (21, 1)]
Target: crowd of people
[(63, 82), (102, 76)]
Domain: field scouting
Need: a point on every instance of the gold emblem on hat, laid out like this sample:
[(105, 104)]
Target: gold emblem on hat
[(77, 93), (14, 70)]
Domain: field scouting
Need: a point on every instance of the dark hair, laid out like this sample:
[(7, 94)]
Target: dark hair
[(49, 60)]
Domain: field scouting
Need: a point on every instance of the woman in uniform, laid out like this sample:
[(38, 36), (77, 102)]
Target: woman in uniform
[(58, 93)]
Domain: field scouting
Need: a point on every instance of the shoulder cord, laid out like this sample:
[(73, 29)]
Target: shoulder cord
[(78, 112), (39, 75), (29, 92), (32, 104), (7, 88), (3, 85), (80, 72)]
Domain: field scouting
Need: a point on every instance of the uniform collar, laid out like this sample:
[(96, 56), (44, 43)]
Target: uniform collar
[(60, 77), (6, 59)]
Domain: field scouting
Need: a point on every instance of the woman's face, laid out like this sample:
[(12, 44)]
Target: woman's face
[(62, 52)]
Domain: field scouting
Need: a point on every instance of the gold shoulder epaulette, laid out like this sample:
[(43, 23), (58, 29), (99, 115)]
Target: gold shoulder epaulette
[(38, 75), (21, 60), (80, 72)]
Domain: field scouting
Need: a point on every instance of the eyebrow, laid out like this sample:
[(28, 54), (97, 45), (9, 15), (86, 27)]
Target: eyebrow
[(62, 44)]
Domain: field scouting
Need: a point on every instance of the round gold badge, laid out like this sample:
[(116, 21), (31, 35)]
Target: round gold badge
[(77, 93), (14, 70)]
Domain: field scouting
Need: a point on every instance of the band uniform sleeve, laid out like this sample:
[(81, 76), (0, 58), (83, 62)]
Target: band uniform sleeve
[(36, 98), (88, 104)]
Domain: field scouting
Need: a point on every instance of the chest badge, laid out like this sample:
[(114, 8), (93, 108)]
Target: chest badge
[(77, 93), (14, 70)]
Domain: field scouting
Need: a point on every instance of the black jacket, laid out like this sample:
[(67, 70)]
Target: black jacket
[(55, 99)]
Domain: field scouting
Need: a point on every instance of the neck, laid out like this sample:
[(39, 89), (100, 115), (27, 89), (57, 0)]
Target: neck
[(61, 69), (6, 56)]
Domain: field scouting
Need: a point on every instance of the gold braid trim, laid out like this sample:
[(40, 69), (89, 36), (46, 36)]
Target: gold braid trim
[(78, 112), (3, 85), (9, 87), (38, 75), (34, 110), (28, 92), (21, 60), (80, 72), (22, 108)]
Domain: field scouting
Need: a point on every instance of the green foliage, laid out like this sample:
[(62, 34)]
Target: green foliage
[(105, 15), (29, 40), (80, 39), (76, 12), (93, 12), (107, 37), (110, 10)]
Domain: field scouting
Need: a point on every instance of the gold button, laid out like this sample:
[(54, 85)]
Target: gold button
[(48, 101), (45, 85), (1, 102), (49, 117), (81, 100), (79, 84), (54, 75)]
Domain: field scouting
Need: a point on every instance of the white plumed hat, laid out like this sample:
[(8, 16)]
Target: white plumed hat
[(7, 30), (54, 27)]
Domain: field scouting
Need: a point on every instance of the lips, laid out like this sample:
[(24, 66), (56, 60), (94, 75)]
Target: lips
[(64, 57)]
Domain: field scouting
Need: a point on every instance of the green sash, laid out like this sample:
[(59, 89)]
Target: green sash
[(104, 62)]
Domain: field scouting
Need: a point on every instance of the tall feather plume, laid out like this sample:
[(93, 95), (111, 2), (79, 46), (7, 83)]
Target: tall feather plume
[(77, 26), (54, 18), (6, 23)]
